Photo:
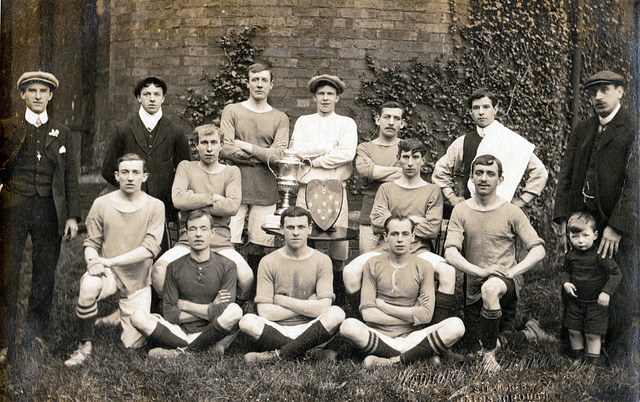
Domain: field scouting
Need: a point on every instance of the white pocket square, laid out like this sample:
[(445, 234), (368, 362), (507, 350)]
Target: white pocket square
[(62, 150)]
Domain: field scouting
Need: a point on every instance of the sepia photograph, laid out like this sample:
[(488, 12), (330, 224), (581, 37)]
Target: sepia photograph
[(347, 200)]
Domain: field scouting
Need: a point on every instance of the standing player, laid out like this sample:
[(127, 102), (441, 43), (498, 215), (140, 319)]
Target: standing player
[(253, 131), (330, 141), (293, 296), (199, 295), (490, 137), (377, 162), (124, 230), (488, 226), (397, 305)]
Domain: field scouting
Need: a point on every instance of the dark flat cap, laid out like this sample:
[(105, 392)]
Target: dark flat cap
[(39, 77), (157, 81), (604, 77), (332, 80)]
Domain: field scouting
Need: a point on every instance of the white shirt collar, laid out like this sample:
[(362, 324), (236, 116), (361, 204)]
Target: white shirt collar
[(150, 120), (482, 131), (606, 120), (31, 117)]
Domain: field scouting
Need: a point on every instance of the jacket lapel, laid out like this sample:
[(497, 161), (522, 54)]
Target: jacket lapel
[(136, 128), (610, 131)]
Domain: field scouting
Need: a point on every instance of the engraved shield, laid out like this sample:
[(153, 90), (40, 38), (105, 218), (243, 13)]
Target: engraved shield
[(324, 201)]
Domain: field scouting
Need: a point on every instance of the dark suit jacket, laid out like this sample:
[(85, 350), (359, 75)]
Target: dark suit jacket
[(60, 153), (169, 148), (616, 167)]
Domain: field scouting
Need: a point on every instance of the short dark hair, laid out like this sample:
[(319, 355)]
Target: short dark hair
[(398, 218), (206, 129), (145, 82), (132, 157), (198, 213), (412, 145), (487, 160), (391, 105), (580, 221), (294, 212), (258, 68), (481, 93)]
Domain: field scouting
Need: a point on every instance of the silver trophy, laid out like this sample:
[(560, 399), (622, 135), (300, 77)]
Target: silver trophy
[(290, 168)]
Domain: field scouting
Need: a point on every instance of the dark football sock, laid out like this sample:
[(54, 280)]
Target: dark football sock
[(376, 346), (431, 345), (87, 319), (211, 334), (491, 326), (354, 301), (315, 335), (162, 336), (271, 339), (446, 306)]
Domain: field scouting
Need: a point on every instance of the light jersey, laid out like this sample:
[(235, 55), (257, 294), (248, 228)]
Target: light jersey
[(399, 287)]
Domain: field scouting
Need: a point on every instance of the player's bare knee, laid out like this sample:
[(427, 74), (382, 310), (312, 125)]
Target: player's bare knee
[(350, 328), (332, 318), (454, 328), (230, 316), (251, 325), (245, 275), (90, 287), (492, 289)]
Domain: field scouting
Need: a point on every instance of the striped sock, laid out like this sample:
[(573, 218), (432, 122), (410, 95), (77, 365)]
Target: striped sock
[(376, 346), (431, 345)]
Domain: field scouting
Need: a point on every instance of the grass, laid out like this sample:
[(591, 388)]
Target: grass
[(531, 372)]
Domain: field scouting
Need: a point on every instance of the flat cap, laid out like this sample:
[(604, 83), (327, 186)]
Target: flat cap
[(332, 80), (39, 77), (157, 81), (604, 77)]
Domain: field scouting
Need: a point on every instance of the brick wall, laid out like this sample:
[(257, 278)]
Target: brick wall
[(179, 40)]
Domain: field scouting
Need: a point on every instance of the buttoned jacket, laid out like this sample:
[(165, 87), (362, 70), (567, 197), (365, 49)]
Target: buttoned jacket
[(59, 152)]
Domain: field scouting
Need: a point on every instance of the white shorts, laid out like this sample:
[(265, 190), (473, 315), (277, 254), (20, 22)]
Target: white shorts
[(139, 300), (176, 329), (402, 344), (257, 218), (290, 331)]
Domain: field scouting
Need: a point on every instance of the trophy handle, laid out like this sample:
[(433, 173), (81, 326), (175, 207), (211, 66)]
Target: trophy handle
[(269, 166), (307, 163)]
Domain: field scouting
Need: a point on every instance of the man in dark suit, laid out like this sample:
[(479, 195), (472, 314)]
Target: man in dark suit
[(599, 174), (153, 136), (38, 196)]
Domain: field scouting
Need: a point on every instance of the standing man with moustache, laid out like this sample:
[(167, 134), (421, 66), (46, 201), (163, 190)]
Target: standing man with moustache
[(38, 197), (377, 163), (599, 175)]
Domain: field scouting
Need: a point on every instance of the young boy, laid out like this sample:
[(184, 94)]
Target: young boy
[(590, 280)]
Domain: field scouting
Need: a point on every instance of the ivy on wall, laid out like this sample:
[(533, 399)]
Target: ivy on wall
[(227, 86), (522, 51)]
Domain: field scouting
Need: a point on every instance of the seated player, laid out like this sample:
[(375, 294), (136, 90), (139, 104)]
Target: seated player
[(488, 226), (590, 281), (422, 203), (199, 295), (216, 188), (124, 230), (397, 305), (294, 295)]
